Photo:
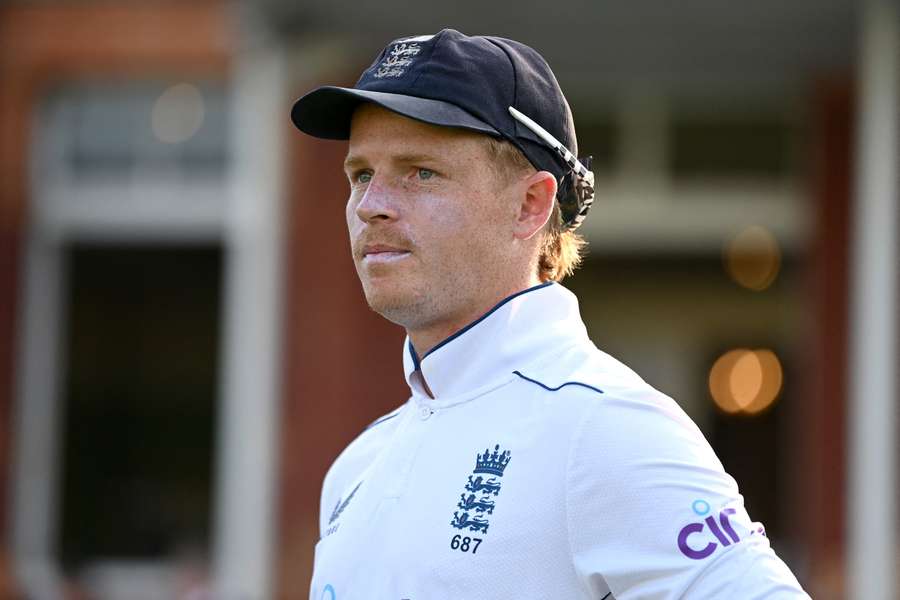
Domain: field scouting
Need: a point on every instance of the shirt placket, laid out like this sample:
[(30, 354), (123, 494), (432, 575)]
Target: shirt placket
[(407, 449)]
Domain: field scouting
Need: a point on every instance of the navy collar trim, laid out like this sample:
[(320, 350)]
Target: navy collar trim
[(414, 355), (412, 351)]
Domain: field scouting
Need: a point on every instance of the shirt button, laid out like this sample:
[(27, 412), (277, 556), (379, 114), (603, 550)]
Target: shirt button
[(424, 412)]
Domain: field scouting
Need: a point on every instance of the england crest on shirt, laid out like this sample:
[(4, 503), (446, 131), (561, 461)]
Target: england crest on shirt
[(478, 500)]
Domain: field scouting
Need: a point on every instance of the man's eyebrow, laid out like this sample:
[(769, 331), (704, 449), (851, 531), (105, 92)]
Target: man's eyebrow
[(352, 162), (415, 158)]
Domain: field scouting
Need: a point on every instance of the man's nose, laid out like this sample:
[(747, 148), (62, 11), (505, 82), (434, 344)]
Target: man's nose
[(377, 204)]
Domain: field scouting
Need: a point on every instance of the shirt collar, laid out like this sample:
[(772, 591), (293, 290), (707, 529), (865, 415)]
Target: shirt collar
[(519, 330)]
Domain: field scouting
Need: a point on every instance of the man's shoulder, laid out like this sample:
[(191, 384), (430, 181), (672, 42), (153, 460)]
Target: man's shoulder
[(604, 388), (621, 423), (582, 370), (372, 436), (384, 419), (358, 454)]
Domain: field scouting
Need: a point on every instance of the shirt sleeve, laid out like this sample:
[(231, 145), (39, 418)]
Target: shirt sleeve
[(652, 514)]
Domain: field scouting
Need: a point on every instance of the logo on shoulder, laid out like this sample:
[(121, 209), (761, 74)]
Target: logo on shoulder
[(477, 502), (338, 509), (700, 539)]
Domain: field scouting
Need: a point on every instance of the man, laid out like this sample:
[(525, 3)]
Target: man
[(526, 463)]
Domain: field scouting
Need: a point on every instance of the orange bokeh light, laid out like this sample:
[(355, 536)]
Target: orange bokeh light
[(753, 258), (744, 381)]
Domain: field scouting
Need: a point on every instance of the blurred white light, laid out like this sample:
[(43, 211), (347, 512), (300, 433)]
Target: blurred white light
[(178, 113), (753, 258)]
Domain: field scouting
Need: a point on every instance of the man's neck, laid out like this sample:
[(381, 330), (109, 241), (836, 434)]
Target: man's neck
[(426, 338)]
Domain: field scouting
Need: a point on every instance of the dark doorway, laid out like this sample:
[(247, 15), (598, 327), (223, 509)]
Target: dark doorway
[(139, 404)]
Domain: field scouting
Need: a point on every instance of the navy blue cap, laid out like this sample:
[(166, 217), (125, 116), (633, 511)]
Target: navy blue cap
[(455, 80)]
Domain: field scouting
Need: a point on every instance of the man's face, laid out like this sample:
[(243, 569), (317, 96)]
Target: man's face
[(430, 221)]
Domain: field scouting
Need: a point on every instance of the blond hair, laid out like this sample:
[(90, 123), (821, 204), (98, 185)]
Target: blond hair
[(562, 251)]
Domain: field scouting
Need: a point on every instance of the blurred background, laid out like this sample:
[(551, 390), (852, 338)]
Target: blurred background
[(185, 348)]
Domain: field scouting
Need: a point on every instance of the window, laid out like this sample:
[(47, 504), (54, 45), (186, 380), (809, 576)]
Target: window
[(105, 131)]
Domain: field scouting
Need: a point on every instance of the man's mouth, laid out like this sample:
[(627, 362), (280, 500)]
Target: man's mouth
[(383, 254)]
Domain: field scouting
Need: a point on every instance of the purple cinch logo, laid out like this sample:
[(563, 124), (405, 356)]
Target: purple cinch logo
[(694, 549)]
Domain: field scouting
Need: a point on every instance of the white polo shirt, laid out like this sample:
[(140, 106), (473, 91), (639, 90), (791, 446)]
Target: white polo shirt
[(542, 468)]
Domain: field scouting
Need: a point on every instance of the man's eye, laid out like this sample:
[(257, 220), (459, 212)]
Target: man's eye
[(363, 177), (426, 174)]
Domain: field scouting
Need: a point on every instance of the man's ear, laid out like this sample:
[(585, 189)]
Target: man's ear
[(535, 204)]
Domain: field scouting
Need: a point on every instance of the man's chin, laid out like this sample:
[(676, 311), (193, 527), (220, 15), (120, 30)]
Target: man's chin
[(396, 305)]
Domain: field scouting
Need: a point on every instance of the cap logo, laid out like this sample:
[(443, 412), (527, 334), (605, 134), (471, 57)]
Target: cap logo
[(398, 60)]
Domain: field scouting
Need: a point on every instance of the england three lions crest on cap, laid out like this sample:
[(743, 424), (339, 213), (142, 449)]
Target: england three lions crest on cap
[(477, 502), (400, 55)]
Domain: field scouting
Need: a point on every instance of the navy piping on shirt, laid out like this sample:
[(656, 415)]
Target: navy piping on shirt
[(380, 421), (412, 351), (557, 388)]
